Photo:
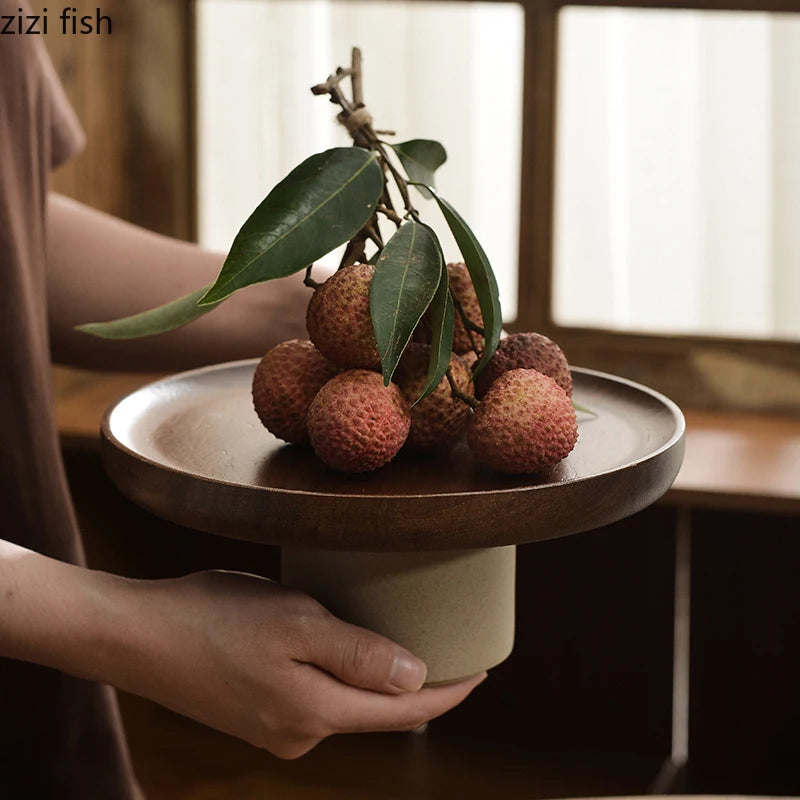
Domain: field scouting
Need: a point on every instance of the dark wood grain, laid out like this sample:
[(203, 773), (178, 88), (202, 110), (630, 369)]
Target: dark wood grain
[(133, 91), (739, 461), (745, 652), (191, 449), (178, 759)]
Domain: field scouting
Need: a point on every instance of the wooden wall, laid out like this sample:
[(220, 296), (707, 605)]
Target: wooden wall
[(132, 90)]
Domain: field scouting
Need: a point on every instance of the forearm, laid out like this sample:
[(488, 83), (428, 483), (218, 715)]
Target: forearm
[(101, 268), (60, 615), (237, 652)]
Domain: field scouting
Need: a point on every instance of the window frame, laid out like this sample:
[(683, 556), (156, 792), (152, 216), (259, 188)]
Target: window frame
[(698, 371), (720, 373)]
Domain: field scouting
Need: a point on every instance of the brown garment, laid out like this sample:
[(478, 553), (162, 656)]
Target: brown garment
[(60, 737)]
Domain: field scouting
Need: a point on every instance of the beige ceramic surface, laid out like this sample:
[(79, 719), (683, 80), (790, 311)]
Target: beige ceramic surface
[(191, 449), (455, 610)]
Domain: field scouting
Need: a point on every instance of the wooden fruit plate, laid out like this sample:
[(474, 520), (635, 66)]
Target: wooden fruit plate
[(191, 449)]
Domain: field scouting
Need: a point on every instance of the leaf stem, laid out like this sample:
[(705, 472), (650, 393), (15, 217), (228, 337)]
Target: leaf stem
[(458, 394), (469, 325), (466, 319), (308, 280)]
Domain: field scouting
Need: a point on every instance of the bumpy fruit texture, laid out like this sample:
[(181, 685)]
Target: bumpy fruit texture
[(439, 419), (338, 318), (284, 384), (357, 424), (526, 351), (470, 360), (464, 292), (525, 423)]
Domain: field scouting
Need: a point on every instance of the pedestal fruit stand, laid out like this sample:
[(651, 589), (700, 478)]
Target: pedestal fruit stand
[(422, 550), (418, 547)]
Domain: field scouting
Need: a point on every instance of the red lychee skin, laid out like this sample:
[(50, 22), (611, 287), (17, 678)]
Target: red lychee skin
[(438, 420), (470, 359), (525, 423), (356, 424), (526, 351), (338, 318), (462, 290), (285, 382)]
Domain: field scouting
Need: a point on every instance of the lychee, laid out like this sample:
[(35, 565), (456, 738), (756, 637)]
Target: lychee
[(470, 359), (464, 293), (439, 419), (525, 423), (356, 424), (526, 351), (285, 382), (338, 318)]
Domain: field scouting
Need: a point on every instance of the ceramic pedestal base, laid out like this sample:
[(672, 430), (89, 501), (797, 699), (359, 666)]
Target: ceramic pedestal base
[(454, 609)]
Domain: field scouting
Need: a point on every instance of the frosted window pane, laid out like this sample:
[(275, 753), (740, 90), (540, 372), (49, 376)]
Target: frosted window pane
[(677, 174), (447, 71)]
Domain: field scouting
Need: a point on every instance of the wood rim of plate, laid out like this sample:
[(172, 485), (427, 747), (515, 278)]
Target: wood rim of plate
[(152, 447)]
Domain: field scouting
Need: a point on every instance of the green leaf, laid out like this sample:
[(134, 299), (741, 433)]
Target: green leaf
[(407, 275), (156, 320), (442, 320), (420, 159), (319, 205), (480, 270), (583, 409)]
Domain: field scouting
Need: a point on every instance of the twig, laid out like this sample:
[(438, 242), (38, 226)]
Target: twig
[(332, 84), (390, 213), (362, 131), (402, 185), (458, 394), (357, 78), (387, 202), (372, 232), (468, 324), (354, 252), (308, 280)]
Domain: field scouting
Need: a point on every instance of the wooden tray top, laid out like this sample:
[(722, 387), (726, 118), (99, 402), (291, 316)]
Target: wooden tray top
[(191, 449)]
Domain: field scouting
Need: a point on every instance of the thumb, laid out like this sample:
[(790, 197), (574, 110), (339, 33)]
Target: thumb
[(365, 659)]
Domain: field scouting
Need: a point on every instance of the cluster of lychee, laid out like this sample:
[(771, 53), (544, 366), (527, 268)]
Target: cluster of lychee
[(329, 392)]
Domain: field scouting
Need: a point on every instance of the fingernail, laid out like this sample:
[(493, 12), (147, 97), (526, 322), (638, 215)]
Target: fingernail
[(408, 673)]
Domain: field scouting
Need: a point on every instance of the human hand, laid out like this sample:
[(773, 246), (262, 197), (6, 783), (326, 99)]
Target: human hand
[(268, 664)]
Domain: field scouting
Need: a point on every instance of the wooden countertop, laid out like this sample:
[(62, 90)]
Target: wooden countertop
[(178, 759), (82, 397), (733, 461), (742, 461)]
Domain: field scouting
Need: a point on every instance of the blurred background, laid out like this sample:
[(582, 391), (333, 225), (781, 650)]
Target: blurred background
[(632, 172)]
